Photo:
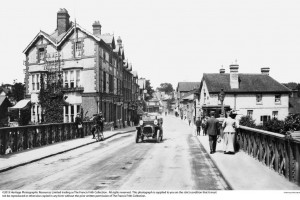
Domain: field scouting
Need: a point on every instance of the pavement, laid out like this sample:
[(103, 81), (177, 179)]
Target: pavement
[(21, 158), (243, 172)]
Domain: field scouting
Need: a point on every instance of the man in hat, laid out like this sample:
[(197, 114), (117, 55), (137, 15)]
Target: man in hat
[(198, 125), (78, 123), (212, 127)]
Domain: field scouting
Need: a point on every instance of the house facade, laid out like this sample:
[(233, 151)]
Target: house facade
[(256, 95), (91, 66)]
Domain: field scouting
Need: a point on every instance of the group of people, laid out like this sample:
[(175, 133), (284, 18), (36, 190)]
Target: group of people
[(214, 129), (98, 122)]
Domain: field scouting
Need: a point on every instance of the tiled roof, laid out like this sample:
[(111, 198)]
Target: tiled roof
[(247, 83), (187, 86), (189, 93)]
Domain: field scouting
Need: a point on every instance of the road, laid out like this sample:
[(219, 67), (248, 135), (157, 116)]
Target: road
[(179, 162)]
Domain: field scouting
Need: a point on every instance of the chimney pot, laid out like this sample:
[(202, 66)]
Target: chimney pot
[(63, 21), (222, 71), (265, 70), (234, 76), (97, 28)]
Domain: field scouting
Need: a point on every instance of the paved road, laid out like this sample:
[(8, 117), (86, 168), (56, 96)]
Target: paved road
[(179, 162)]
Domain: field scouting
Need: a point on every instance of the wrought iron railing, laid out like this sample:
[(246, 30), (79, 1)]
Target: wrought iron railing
[(27, 137), (280, 153)]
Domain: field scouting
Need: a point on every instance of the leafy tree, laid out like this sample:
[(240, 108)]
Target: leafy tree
[(274, 125), (166, 87), (18, 92), (51, 100), (149, 89)]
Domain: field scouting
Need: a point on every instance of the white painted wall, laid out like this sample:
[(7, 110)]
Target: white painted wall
[(32, 56)]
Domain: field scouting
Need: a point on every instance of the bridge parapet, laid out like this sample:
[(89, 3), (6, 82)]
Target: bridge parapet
[(26, 137), (279, 152)]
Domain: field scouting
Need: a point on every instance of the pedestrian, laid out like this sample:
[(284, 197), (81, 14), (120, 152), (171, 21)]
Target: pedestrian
[(79, 128), (230, 125), (204, 125), (198, 125), (212, 126)]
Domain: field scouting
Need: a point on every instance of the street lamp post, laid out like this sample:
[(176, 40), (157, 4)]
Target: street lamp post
[(221, 98)]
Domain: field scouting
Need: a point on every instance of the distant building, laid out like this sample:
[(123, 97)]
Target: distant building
[(4, 105), (256, 95)]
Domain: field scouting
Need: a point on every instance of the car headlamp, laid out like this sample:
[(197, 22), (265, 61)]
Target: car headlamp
[(141, 122), (155, 122)]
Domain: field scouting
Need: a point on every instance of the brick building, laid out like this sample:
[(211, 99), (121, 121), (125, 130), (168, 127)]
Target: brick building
[(94, 72)]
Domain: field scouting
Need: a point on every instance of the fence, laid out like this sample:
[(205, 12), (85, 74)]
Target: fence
[(280, 153), (27, 137)]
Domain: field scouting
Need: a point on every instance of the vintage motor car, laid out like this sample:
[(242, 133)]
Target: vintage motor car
[(150, 126)]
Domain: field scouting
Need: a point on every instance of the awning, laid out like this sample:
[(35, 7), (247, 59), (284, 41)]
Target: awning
[(23, 104)]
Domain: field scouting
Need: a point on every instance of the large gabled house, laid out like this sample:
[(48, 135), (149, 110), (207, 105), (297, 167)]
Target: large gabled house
[(257, 95), (91, 66)]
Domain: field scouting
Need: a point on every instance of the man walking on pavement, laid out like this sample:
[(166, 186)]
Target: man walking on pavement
[(212, 126), (198, 125)]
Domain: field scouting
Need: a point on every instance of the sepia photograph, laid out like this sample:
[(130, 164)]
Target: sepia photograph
[(160, 99)]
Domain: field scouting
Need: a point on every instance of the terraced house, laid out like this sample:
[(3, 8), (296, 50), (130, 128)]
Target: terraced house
[(95, 74)]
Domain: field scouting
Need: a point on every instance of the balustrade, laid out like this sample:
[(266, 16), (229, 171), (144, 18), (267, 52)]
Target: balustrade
[(280, 153), (27, 137)]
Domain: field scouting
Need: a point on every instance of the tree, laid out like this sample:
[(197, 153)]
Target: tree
[(18, 92), (166, 87), (149, 89)]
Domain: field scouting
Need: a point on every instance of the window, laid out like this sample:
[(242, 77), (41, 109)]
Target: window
[(275, 114), (259, 99), (264, 118), (41, 55), (38, 82), (66, 113), (78, 49), (72, 79), (277, 98), (66, 79), (77, 78), (33, 82), (72, 113), (250, 113), (104, 82)]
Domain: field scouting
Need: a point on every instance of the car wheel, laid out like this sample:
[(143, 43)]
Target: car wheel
[(157, 136), (137, 137)]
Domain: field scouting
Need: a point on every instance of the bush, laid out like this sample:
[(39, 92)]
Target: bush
[(292, 123), (274, 125), (247, 121)]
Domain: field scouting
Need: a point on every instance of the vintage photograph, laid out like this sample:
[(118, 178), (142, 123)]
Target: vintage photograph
[(161, 98)]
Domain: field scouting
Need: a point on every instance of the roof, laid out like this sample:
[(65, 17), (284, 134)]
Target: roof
[(22, 104), (248, 83), (186, 96), (56, 40), (187, 86), (2, 98)]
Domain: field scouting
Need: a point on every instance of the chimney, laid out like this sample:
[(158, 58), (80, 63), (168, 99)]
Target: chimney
[(119, 41), (97, 28), (234, 76), (222, 70), (63, 21), (265, 70)]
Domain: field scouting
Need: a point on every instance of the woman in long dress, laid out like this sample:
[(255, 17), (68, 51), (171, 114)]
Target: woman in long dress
[(230, 124)]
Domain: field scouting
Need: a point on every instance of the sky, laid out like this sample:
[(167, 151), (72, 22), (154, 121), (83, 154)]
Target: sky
[(168, 40)]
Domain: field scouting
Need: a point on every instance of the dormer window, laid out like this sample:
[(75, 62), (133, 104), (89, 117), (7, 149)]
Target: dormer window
[(41, 55)]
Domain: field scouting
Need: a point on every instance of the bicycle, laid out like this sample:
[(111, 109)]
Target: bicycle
[(99, 134)]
